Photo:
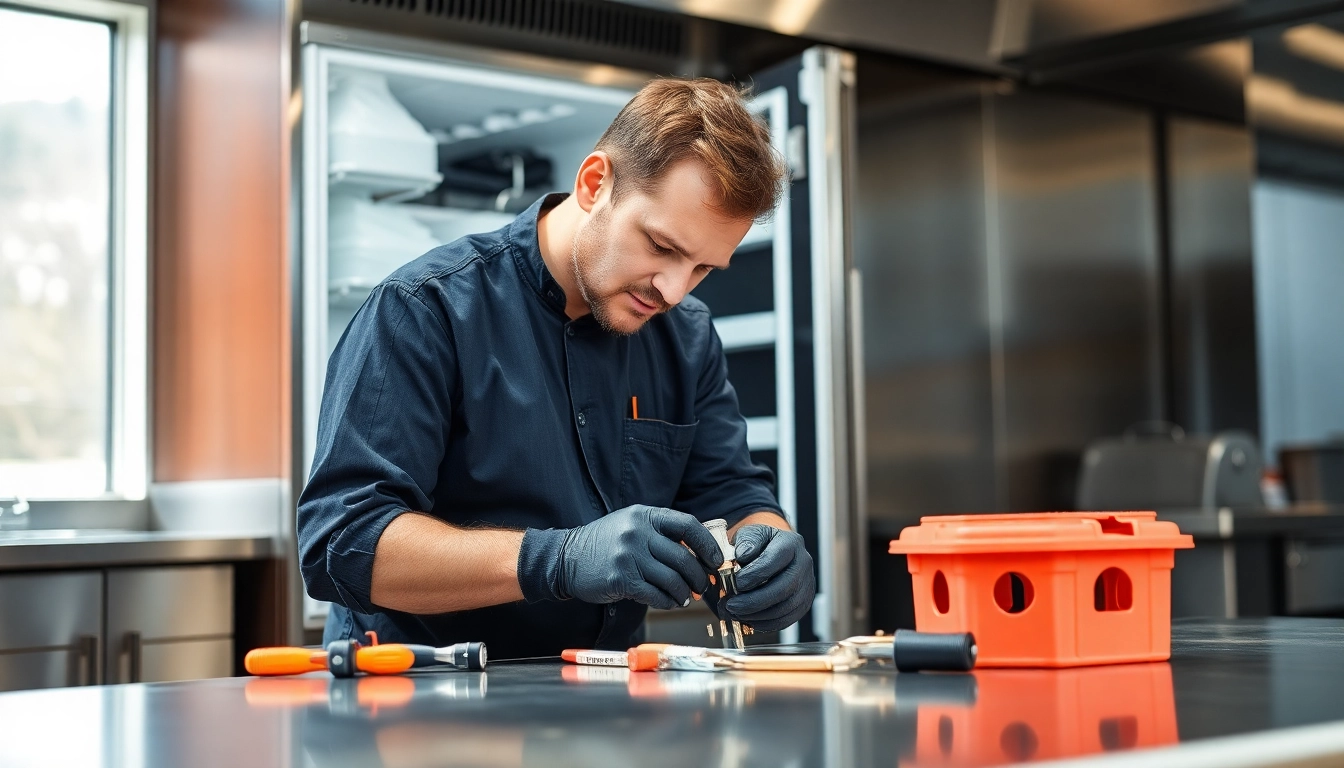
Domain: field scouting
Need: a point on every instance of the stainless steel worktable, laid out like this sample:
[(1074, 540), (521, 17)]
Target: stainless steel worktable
[(1274, 686)]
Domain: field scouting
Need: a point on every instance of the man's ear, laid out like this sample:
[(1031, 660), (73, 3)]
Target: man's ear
[(594, 177)]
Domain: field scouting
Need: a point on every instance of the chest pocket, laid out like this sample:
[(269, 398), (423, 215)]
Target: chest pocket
[(653, 458)]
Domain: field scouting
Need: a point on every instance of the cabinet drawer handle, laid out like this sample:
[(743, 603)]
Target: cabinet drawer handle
[(87, 648), (134, 645)]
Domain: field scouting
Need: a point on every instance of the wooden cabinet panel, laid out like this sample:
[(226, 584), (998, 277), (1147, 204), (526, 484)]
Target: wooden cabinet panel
[(220, 309)]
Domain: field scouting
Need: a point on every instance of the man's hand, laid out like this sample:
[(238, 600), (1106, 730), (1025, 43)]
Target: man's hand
[(636, 554), (776, 584)]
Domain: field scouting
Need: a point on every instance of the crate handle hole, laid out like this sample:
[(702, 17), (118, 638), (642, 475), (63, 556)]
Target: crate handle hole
[(941, 602), (1113, 591), (1013, 592), (1111, 525)]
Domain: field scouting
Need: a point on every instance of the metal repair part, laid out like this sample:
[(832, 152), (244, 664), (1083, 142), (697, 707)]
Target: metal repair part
[(727, 581)]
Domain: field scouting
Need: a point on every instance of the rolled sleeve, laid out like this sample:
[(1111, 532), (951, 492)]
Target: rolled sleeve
[(382, 433), (720, 480)]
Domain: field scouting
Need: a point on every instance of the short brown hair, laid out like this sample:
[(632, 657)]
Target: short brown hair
[(671, 119)]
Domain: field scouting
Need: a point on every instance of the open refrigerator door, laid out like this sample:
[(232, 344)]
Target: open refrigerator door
[(402, 152)]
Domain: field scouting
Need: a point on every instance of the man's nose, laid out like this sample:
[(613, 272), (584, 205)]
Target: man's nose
[(674, 284)]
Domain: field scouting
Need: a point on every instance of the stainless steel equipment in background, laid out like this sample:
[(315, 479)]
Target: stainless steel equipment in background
[(1168, 470), (1314, 472), (1249, 559)]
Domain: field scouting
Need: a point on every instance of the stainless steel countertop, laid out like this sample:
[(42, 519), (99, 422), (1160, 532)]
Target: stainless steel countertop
[(1277, 680), (1302, 519), (87, 548)]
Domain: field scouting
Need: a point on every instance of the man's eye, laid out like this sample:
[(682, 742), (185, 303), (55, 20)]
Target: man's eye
[(660, 249)]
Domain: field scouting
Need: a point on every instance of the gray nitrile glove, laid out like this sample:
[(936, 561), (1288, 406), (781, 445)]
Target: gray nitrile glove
[(776, 584), (636, 554)]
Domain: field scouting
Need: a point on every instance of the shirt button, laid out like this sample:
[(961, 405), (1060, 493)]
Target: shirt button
[(611, 611), (569, 331), (583, 420)]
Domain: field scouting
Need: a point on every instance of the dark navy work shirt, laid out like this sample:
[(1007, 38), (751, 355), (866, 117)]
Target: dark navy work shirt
[(462, 390)]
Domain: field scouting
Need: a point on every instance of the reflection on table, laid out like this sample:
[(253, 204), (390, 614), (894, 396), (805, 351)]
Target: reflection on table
[(725, 719)]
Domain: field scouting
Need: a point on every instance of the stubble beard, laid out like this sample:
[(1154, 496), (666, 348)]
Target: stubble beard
[(600, 306)]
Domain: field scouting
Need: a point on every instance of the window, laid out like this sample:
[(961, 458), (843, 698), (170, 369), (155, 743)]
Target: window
[(73, 249)]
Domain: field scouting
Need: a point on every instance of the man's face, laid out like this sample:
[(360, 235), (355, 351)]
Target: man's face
[(643, 255)]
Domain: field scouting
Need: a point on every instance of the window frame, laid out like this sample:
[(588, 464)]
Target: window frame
[(129, 393)]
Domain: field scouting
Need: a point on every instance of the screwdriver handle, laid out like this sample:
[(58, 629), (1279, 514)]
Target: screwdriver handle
[(284, 661), (384, 659)]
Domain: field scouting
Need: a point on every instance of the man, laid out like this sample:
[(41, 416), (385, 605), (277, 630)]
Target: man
[(522, 431)]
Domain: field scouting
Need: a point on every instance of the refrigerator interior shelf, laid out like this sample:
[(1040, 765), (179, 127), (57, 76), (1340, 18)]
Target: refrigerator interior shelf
[(754, 330), (380, 186), (763, 433), (349, 293)]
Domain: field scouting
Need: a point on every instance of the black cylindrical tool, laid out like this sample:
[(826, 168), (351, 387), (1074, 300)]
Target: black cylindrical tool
[(933, 651), (469, 656)]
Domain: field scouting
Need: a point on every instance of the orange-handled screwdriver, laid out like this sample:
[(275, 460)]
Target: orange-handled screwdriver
[(284, 661), (378, 659)]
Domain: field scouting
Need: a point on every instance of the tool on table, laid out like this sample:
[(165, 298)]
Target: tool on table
[(727, 582), (910, 651), (595, 658), (614, 658), (347, 657)]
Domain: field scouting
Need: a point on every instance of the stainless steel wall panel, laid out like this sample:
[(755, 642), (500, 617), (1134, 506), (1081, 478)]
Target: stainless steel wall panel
[(920, 246), (1211, 169), (1079, 296), (1009, 251)]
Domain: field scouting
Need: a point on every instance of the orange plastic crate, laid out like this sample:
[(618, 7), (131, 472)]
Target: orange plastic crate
[(1055, 589)]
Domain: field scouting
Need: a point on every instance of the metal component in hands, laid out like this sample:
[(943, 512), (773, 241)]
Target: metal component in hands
[(727, 582)]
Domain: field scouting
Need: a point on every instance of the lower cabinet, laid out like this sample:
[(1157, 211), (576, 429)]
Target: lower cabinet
[(120, 625), (169, 623), (51, 628)]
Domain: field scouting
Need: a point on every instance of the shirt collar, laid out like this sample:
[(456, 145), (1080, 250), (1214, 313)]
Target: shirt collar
[(527, 252)]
